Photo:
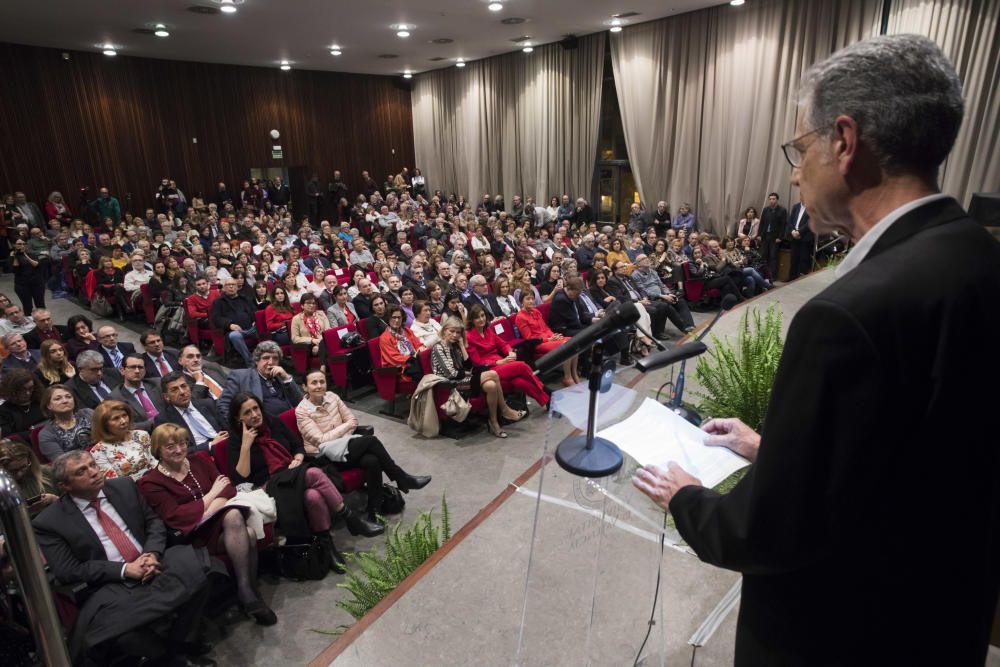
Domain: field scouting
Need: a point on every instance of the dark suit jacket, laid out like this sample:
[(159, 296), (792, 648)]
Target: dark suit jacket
[(141, 420), (33, 341), (488, 303), (153, 371), (125, 348), (566, 316), (806, 233), (12, 362), (71, 547), (200, 390), (248, 380), (206, 406), (772, 222), (829, 526), (85, 396)]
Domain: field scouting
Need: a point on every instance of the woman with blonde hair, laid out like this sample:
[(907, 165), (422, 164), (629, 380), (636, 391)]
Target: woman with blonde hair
[(118, 449), (53, 365), (33, 480), (450, 359)]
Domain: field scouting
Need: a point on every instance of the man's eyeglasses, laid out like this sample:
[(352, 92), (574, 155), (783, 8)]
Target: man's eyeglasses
[(792, 151), (134, 367)]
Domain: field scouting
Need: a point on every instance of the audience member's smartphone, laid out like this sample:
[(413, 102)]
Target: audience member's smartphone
[(35, 500)]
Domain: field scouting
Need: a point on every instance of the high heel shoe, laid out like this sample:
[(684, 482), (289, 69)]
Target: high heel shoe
[(518, 416), (260, 612), (408, 482), (359, 525), (499, 433)]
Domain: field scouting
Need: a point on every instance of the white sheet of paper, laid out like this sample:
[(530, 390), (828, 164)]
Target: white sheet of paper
[(654, 434)]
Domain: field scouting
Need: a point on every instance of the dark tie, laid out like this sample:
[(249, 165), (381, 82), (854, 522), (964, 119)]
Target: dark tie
[(101, 391), (117, 536)]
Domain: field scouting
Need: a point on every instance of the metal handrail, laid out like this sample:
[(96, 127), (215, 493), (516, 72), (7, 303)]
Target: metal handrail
[(34, 585)]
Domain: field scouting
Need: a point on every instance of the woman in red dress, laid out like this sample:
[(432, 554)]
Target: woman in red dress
[(190, 496), (531, 324), (488, 349)]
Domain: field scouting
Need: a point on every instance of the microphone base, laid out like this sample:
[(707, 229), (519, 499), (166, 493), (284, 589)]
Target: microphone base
[(686, 413), (603, 458)]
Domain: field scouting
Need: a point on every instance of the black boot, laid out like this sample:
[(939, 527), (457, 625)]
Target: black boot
[(359, 525), (406, 482), (337, 563), (375, 501)]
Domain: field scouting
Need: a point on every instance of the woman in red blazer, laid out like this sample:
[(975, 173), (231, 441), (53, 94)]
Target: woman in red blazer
[(531, 324), (278, 316), (488, 349)]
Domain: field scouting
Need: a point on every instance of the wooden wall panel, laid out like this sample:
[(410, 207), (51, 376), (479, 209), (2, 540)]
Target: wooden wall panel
[(128, 122)]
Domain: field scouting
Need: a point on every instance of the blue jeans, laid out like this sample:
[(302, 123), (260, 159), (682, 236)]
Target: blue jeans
[(753, 280), (239, 343)]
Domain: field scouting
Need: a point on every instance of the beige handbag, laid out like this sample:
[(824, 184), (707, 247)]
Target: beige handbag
[(456, 406)]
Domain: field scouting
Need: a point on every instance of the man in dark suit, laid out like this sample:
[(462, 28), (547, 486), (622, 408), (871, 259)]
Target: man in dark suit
[(44, 329), (93, 381), (114, 353), (773, 219), (142, 396), (159, 362), (571, 313), (19, 356), (802, 240), (198, 416), (103, 535), (207, 378), (265, 379), (873, 400), (479, 295), (235, 316)]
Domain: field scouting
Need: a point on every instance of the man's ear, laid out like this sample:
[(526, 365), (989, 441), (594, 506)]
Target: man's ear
[(845, 142)]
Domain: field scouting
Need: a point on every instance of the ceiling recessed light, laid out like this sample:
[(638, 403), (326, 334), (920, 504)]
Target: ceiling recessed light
[(495, 6), (402, 30), (335, 50), (616, 28), (528, 49), (285, 66), (407, 74), (736, 3), (110, 52), (227, 6), (402, 33), (161, 30), (460, 62)]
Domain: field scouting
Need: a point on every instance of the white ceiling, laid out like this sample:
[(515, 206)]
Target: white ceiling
[(265, 32)]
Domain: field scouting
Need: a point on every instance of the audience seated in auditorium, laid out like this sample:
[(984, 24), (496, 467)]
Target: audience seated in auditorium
[(66, 427)]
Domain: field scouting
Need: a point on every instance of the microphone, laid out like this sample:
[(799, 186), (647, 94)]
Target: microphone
[(611, 322), (660, 359)]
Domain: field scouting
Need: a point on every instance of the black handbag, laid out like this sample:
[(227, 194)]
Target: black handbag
[(303, 561), (392, 500)]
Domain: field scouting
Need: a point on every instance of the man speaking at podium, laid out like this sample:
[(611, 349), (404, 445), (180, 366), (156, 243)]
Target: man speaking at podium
[(868, 527)]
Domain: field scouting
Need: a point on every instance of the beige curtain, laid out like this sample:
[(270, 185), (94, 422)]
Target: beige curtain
[(708, 98), (969, 33), (514, 124)]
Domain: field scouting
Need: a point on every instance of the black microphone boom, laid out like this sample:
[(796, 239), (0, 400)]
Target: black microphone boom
[(728, 302), (611, 322), (671, 356)]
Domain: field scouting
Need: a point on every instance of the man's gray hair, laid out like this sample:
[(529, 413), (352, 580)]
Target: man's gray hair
[(61, 466), (266, 347), (88, 357), (902, 91), (9, 338)]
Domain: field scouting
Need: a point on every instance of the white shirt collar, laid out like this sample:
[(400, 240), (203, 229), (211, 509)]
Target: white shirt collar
[(868, 241), (83, 503)]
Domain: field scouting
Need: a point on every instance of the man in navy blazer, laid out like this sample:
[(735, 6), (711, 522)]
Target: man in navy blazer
[(114, 353), (801, 239), (104, 535), (877, 426), (479, 294), (198, 416), (158, 361)]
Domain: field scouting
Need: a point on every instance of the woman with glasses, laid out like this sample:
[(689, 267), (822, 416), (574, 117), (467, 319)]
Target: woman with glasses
[(190, 495), (398, 346)]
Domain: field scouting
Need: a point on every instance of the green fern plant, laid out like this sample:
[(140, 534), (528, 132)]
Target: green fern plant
[(376, 575), (736, 377)]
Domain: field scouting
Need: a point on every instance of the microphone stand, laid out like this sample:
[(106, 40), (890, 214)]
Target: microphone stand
[(589, 455), (676, 404)]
